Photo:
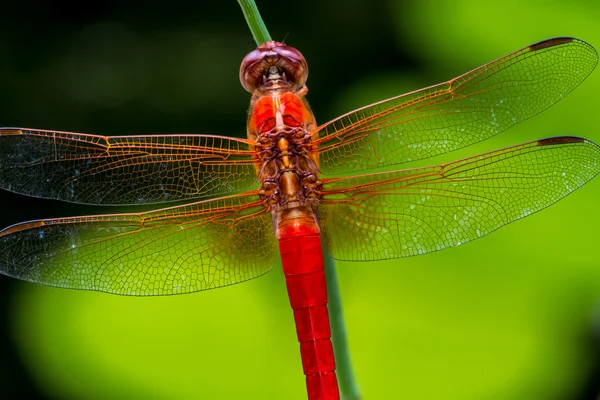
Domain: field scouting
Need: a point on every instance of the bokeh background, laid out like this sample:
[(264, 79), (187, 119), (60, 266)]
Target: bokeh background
[(514, 315)]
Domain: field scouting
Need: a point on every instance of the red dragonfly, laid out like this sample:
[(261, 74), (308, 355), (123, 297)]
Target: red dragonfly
[(286, 187)]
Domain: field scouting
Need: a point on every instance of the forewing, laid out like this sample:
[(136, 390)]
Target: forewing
[(176, 250), (93, 169), (416, 211), (446, 117)]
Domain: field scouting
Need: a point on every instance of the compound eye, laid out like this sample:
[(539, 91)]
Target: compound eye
[(248, 77), (295, 63), (257, 64)]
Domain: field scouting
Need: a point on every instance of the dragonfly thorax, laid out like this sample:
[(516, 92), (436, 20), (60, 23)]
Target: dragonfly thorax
[(288, 175), (281, 126)]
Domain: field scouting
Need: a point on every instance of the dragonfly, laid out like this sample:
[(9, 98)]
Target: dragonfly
[(293, 187)]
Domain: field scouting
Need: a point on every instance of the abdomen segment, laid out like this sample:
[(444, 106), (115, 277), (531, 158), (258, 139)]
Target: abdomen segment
[(302, 260)]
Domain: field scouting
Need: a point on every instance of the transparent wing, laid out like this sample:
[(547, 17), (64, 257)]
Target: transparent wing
[(175, 250), (416, 211), (123, 170), (470, 108)]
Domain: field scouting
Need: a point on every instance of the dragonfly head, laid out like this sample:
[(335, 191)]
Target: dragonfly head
[(273, 64)]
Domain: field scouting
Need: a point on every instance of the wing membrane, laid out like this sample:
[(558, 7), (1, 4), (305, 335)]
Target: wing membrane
[(122, 170), (445, 117), (416, 211), (175, 250)]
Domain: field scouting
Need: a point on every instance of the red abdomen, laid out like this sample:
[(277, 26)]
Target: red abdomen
[(302, 260)]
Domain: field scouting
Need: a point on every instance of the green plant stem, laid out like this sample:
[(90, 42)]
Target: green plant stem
[(255, 22), (346, 379)]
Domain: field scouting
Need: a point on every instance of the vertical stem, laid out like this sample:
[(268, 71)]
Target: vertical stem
[(255, 22), (347, 381)]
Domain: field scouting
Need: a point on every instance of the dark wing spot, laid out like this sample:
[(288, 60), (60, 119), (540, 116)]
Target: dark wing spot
[(560, 140), (550, 43)]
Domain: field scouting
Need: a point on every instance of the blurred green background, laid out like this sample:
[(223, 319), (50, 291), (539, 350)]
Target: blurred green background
[(514, 315)]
